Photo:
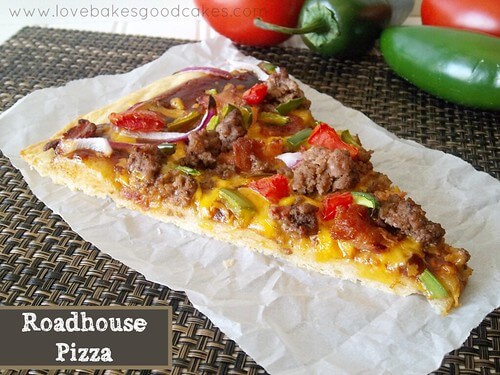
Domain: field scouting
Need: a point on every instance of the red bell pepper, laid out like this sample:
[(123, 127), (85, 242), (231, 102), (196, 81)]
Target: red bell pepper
[(325, 136), (272, 188), (332, 202), (255, 94), (142, 120)]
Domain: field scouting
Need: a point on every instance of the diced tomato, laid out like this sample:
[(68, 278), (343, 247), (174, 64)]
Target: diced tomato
[(354, 223), (351, 222), (331, 203), (246, 151), (273, 149), (325, 136), (255, 94), (272, 188), (142, 120)]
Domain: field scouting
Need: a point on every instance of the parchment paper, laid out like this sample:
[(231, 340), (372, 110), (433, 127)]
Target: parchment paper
[(290, 321)]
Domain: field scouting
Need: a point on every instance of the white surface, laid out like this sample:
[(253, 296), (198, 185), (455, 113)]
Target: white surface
[(191, 27), (289, 320)]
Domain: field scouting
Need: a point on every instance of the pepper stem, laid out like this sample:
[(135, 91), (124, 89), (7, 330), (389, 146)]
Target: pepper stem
[(318, 25)]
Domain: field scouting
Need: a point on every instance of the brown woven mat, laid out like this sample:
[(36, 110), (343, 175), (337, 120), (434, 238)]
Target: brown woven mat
[(42, 261)]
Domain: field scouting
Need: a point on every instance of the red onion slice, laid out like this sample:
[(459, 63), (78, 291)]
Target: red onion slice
[(97, 144), (124, 146), (155, 137), (208, 69), (134, 107), (291, 159), (161, 137)]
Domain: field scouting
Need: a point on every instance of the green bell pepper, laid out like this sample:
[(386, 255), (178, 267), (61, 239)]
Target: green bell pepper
[(212, 123), (188, 170), (348, 138), (242, 208), (296, 140), (167, 148), (246, 114), (180, 122), (287, 107), (272, 118), (460, 66), (365, 199), (432, 285), (338, 27)]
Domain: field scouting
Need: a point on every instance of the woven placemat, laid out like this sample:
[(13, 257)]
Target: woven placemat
[(42, 261)]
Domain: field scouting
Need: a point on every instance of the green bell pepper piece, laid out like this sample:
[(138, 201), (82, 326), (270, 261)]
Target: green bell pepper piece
[(267, 67), (240, 206), (298, 138), (365, 199), (348, 138), (167, 148), (287, 107), (432, 285), (188, 170), (180, 122), (273, 118), (246, 114), (226, 109), (212, 124)]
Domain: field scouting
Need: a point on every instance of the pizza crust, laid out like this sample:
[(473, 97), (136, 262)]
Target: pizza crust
[(74, 174)]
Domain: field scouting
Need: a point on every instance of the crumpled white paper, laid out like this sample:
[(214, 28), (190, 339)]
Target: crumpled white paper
[(290, 321)]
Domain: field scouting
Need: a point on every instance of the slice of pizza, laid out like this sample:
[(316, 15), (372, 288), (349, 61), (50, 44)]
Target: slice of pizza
[(243, 160)]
